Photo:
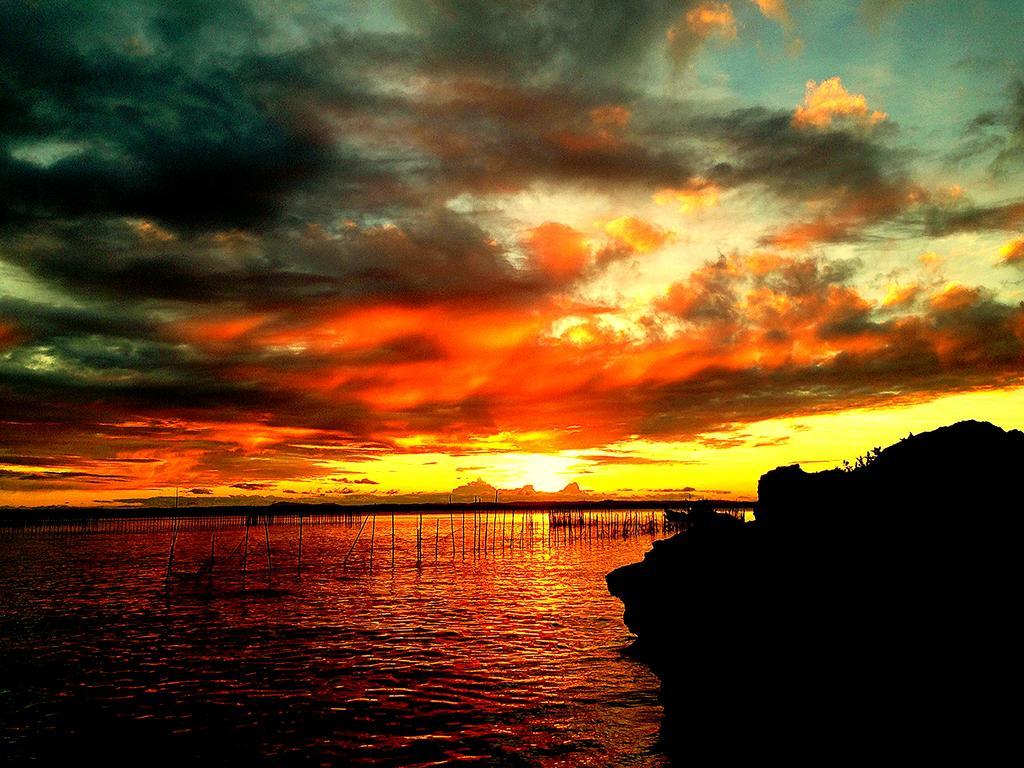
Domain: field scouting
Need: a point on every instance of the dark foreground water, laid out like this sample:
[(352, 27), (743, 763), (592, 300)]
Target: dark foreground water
[(511, 656)]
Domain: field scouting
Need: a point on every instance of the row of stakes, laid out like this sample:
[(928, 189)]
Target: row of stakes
[(571, 526)]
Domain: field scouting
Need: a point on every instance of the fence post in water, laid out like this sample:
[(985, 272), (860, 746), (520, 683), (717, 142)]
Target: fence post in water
[(392, 539), (245, 552), (298, 568), (266, 536), (419, 540), (170, 555), (373, 531), (213, 552), (451, 521), (355, 541)]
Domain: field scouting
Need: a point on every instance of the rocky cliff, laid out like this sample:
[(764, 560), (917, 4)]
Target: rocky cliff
[(862, 608)]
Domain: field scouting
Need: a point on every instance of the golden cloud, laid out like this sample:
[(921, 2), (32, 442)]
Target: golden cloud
[(900, 295), (711, 18), (1013, 252), (829, 100), (636, 233), (699, 193), (773, 9)]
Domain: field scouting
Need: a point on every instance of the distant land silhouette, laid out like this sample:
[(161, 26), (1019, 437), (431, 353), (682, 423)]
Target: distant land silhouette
[(477, 491), (868, 613)]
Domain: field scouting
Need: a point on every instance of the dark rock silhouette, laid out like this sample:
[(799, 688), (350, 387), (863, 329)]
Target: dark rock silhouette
[(863, 614)]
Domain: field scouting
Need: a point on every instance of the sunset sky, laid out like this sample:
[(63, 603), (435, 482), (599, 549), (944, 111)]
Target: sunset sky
[(381, 250)]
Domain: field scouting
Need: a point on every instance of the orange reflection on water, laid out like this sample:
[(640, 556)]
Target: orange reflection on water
[(502, 645)]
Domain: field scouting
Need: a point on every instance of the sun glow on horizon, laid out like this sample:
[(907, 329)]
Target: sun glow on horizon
[(721, 464)]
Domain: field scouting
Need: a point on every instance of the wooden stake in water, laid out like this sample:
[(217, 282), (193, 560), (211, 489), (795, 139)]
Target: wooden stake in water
[(419, 540), (392, 539), (298, 568), (170, 555), (451, 521), (266, 537), (213, 552), (245, 554), (354, 541), (373, 530)]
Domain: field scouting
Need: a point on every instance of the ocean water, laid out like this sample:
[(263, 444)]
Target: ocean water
[(504, 653)]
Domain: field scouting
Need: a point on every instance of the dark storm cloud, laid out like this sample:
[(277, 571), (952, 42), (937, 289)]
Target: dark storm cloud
[(764, 147), (510, 156), (38, 320), (204, 116), (197, 117), (946, 220), (144, 109), (562, 40), (435, 255)]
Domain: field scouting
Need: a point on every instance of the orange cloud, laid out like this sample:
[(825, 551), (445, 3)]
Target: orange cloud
[(799, 236), (708, 294), (709, 18), (639, 235), (699, 193), (765, 334), (218, 329), (150, 232), (602, 135), (954, 296), (1013, 252), (614, 115), (843, 218), (9, 335), (583, 142), (828, 101), (558, 250), (768, 309), (774, 9)]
